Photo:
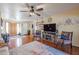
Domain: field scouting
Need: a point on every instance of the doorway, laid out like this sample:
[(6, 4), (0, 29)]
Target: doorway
[(12, 28)]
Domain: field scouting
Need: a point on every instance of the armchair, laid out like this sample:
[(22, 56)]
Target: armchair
[(68, 40)]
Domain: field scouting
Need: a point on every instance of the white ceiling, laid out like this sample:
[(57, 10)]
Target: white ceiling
[(11, 11)]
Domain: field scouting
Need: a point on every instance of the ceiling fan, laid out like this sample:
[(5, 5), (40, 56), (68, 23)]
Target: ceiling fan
[(32, 10)]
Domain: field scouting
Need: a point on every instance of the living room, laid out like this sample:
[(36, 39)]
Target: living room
[(24, 24)]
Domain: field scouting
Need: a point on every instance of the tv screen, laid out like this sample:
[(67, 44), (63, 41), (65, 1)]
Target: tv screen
[(50, 27)]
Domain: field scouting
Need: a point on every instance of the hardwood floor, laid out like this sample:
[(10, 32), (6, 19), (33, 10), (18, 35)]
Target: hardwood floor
[(75, 50), (18, 41), (51, 44), (29, 38)]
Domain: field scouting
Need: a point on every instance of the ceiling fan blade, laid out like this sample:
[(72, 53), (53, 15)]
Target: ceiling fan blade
[(40, 9), (37, 14), (23, 11)]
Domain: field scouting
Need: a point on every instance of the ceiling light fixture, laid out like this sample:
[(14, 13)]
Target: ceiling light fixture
[(31, 13)]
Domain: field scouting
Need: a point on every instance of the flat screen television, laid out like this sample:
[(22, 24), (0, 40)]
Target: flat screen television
[(50, 27)]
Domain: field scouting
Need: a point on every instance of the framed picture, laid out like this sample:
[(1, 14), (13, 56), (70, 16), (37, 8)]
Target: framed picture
[(50, 19)]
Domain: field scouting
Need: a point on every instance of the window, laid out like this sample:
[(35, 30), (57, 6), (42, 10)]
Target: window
[(18, 28), (7, 27)]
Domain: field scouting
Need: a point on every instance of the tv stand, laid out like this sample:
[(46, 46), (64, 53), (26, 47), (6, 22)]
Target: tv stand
[(48, 36)]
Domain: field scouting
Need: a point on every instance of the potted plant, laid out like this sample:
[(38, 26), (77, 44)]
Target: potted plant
[(28, 32), (5, 37)]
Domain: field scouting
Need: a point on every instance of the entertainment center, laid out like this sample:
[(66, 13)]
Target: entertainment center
[(48, 33)]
